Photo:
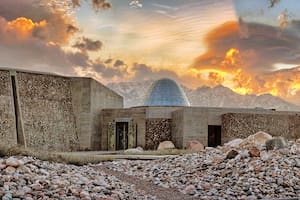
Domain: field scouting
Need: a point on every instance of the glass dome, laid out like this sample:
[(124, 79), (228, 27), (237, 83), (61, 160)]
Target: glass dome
[(166, 92)]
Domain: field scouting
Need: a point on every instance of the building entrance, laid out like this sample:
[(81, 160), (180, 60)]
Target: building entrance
[(121, 135), (214, 136)]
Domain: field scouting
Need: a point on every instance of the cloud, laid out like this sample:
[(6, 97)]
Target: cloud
[(144, 72), (101, 5), (119, 63), (258, 52), (56, 26), (246, 64), (87, 44)]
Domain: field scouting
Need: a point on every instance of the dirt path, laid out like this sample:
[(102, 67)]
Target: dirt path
[(160, 192)]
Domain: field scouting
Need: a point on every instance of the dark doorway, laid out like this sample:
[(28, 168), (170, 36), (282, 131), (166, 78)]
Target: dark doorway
[(214, 136), (121, 135)]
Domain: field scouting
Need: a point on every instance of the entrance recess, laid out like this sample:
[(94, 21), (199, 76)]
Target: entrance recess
[(122, 134), (214, 136)]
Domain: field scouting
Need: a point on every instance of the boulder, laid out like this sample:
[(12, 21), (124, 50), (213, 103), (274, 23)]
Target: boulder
[(13, 162), (295, 149), (276, 143), (254, 152), (136, 150), (195, 145), (258, 139), (234, 143), (190, 189), (166, 145), (232, 154)]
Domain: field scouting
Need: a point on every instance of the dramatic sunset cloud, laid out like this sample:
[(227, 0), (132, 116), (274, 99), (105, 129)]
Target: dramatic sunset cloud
[(246, 65), (251, 47)]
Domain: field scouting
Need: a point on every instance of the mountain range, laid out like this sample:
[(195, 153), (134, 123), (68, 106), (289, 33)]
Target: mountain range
[(219, 96)]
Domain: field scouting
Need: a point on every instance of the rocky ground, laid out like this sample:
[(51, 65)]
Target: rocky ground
[(229, 172), (242, 169), (29, 178)]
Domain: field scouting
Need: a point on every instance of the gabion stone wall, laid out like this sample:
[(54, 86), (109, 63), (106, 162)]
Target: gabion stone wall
[(241, 125), (157, 130), (47, 113), (7, 118)]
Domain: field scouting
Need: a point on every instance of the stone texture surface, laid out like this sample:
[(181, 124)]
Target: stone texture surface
[(47, 113), (7, 120), (241, 125), (36, 179), (271, 174), (157, 130)]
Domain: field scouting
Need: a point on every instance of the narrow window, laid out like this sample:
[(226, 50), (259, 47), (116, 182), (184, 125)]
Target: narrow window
[(20, 138)]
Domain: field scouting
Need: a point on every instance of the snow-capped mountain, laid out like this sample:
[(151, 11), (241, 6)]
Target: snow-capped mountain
[(219, 96)]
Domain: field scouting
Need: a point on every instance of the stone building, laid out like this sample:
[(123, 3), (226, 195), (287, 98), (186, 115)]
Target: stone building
[(167, 115), (52, 112)]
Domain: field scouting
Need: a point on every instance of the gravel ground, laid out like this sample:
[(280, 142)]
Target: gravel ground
[(29, 178), (224, 172)]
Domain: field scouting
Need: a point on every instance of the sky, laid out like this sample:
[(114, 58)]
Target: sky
[(250, 46)]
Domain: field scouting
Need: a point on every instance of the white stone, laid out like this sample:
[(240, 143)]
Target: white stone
[(13, 162), (134, 150), (258, 138), (166, 145), (234, 143)]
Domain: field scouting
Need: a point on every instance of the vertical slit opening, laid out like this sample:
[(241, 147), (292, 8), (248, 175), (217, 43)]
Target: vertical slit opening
[(20, 139)]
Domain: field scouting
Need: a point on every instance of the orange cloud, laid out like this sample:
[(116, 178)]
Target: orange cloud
[(23, 27), (246, 64)]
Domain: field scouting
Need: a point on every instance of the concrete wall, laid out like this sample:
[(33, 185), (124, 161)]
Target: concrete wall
[(241, 125), (192, 123), (138, 115), (46, 112), (101, 98), (89, 97), (8, 135), (160, 112), (81, 101)]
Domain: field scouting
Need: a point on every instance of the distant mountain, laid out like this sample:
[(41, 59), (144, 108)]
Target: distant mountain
[(219, 96)]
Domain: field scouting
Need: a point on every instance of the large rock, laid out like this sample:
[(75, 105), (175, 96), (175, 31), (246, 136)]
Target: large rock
[(232, 154), (234, 143), (166, 145), (276, 143), (257, 139), (254, 152), (295, 149), (13, 162), (195, 145)]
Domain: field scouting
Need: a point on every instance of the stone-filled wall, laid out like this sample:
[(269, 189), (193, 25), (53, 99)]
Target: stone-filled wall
[(157, 130), (241, 125), (7, 117), (46, 110)]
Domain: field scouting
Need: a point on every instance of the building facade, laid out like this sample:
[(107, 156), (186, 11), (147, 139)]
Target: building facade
[(52, 112)]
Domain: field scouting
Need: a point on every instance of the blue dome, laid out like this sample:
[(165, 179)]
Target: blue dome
[(166, 92)]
